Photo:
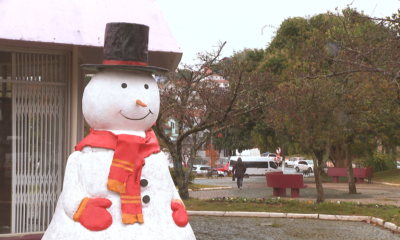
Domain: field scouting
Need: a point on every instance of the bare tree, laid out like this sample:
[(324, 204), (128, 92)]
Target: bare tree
[(200, 107)]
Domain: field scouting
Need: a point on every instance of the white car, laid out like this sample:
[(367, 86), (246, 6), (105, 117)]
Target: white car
[(201, 169), (294, 161), (398, 164), (205, 169), (304, 165)]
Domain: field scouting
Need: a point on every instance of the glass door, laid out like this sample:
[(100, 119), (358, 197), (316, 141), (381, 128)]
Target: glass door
[(32, 138)]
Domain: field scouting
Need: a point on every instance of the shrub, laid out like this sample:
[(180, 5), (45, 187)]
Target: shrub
[(380, 162), (173, 175)]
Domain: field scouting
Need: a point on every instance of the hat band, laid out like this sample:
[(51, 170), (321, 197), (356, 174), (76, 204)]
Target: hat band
[(116, 62)]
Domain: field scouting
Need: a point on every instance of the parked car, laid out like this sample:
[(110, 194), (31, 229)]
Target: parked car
[(295, 160), (272, 156), (213, 172), (264, 154), (201, 169), (304, 165), (289, 162), (255, 165), (398, 164), (223, 168)]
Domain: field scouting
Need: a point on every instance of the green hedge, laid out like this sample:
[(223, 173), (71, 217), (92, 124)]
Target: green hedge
[(173, 175), (380, 162)]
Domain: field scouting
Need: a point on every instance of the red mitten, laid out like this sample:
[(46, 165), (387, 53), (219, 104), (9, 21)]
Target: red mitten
[(95, 217), (179, 214)]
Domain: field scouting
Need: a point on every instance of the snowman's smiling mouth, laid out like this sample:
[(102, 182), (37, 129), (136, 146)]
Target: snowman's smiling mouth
[(120, 112)]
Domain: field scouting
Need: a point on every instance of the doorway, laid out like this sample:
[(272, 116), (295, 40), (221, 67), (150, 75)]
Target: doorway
[(33, 93)]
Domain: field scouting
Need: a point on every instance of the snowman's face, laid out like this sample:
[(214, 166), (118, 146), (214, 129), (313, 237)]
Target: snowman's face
[(121, 100)]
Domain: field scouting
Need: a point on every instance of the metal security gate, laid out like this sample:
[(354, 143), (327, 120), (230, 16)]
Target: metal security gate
[(38, 99)]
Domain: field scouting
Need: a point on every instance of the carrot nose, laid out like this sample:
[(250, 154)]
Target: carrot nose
[(140, 103)]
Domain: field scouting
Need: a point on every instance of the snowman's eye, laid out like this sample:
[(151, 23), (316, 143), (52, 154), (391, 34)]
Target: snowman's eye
[(146, 86), (124, 85)]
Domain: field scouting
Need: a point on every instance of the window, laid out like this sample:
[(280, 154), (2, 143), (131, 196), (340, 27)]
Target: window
[(172, 125), (204, 168), (251, 164), (263, 164), (194, 168), (273, 165)]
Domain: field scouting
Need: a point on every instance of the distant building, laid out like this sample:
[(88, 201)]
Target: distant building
[(217, 78)]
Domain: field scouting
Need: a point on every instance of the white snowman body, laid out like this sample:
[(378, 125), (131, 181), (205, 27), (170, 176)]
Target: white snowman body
[(110, 104)]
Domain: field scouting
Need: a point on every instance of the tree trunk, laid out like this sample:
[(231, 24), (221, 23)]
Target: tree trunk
[(183, 189), (318, 184), (350, 174), (338, 154), (318, 160)]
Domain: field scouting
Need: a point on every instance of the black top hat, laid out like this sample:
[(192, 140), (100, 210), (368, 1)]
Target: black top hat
[(125, 47)]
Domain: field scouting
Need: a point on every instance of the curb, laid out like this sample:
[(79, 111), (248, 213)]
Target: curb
[(378, 221), (209, 189), (386, 183)]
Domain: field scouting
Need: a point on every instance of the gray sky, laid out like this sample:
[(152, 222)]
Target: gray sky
[(198, 25)]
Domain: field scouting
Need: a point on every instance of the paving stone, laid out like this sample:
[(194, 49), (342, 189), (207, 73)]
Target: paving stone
[(233, 228)]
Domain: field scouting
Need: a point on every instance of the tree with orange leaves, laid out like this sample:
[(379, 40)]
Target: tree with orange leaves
[(212, 154)]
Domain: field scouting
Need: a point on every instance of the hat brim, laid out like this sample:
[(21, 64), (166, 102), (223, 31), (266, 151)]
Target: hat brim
[(98, 67)]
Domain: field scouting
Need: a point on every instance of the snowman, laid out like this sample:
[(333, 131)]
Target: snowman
[(117, 184)]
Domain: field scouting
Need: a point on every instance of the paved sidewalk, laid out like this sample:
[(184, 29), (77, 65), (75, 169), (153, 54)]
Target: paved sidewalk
[(256, 187), (280, 228), (286, 228)]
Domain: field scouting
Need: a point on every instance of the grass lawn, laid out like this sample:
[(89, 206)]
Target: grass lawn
[(386, 212), (326, 178), (197, 186), (391, 176), (194, 186)]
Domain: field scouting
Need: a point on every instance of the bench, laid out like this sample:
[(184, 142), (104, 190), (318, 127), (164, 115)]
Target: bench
[(359, 173), (279, 182)]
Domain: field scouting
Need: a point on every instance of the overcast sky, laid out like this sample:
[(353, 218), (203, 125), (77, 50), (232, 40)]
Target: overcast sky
[(198, 25)]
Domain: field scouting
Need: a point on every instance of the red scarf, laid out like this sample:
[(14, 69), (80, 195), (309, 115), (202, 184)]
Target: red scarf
[(126, 167)]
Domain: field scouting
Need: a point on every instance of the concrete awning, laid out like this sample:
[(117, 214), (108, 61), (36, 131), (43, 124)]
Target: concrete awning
[(82, 23)]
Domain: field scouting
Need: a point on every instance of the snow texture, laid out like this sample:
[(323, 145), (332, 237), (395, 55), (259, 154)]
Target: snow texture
[(87, 171)]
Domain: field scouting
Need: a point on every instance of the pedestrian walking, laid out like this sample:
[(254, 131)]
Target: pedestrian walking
[(238, 170)]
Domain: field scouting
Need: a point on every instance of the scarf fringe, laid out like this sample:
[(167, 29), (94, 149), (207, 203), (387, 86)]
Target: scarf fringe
[(116, 186), (132, 218)]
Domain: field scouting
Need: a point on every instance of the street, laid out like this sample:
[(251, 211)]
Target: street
[(256, 187)]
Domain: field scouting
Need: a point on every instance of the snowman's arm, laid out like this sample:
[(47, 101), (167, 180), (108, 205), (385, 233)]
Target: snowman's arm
[(179, 213), (73, 192), (175, 193)]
